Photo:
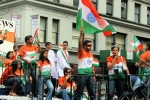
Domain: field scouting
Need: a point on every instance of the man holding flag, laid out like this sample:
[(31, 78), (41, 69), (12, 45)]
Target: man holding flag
[(28, 53)]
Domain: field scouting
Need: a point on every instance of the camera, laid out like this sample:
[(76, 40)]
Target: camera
[(116, 71), (70, 79)]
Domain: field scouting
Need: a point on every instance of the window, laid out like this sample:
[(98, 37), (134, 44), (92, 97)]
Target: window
[(124, 9), (76, 3), (42, 33), (76, 34), (148, 15), (137, 13), (55, 31), (57, 1), (119, 41), (109, 7), (143, 41)]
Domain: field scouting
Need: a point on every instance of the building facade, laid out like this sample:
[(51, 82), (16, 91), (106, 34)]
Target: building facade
[(57, 22)]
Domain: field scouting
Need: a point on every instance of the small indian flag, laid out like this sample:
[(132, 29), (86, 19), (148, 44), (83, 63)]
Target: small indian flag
[(2, 53), (35, 37), (4, 30), (86, 95), (96, 63), (137, 43), (88, 17), (33, 57)]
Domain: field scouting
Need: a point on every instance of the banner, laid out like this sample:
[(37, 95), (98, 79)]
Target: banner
[(16, 18), (34, 24), (9, 42)]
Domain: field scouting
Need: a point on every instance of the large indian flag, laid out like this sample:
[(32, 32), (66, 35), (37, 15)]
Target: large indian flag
[(9, 42), (88, 18)]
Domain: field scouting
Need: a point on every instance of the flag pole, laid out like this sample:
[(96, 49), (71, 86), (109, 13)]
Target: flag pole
[(81, 22)]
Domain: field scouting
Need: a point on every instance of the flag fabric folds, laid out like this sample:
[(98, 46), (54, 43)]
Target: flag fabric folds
[(88, 18)]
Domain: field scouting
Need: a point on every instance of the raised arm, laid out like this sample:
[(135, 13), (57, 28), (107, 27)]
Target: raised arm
[(80, 40)]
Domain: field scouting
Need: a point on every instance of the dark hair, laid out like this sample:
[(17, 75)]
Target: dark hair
[(65, 42), (115, 46), (86, 42), (148, 45), (14, 46), (42, 57), (7, 55), (66, 69), (27, 38), (47, 43), (14, 65)]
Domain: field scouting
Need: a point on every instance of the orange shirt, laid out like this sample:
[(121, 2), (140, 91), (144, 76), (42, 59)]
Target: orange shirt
[(110, 59), (19, 73), (27, 48), (6, 73), (145, 55), (61, 81), (7, 62)]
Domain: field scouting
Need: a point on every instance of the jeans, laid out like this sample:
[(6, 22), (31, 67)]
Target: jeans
[(64, 95), (83, 81), (148, 90), (28, 71), (11, 81), (50, 87), (118, 84)]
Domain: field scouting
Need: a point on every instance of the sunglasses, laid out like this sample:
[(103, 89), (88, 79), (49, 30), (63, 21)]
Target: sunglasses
[(69, 72), (65, 45), (89, 45)]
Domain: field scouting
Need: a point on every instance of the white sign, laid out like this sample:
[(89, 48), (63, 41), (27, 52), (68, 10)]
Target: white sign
[(10, 25), (34, 24), (8, 44), (16, 19), (129, 54)]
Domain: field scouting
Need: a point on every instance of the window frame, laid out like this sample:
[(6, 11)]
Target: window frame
[(109, 2), (45, 31), (148, 15), (139, 5), (57, 33), (125, 8), (113, 40)]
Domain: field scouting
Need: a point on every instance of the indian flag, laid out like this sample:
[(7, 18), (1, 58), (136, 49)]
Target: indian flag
[(86, 95), (137, 43), (2, 53), (88, 18), (35, 37), (4, 30), (96, 63), (33, 57)]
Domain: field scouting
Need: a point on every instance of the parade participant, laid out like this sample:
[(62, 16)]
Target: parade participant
[(9, 59), (145, 64), (64, 85), (86, 70), (44, 78), (28, 53), (62, 58), (116, 65), (52, 58), (12, 77)]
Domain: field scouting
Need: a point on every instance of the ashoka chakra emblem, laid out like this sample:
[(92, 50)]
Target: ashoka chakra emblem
[(90, 18)]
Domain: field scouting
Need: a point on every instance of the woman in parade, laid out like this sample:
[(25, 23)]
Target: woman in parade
[(116, 66), (12, 77), (44, 66), (9, 59)]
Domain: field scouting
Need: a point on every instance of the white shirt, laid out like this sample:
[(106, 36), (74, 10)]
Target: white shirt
[(53, 59)]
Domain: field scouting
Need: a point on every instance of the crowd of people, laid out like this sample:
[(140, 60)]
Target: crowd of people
[(21, 70)]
